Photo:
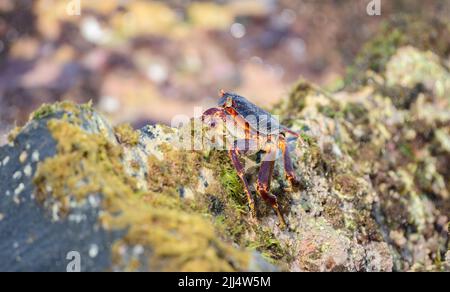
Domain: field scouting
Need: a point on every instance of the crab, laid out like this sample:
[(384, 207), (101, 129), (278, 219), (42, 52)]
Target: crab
[(254, 130)]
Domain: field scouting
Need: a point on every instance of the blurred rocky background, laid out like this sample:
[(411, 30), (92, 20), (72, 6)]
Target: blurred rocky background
[(143, 61)]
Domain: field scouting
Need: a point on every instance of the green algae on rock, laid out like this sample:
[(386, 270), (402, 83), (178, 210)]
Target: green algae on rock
[(399, 31), (152, 231), (126, 135), (423, 68), (88, 164), (373, 165), (397, 155)]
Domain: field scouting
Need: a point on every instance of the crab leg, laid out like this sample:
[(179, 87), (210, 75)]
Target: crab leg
[(264, 179), (234, 155), (289, 131), (288, 168)]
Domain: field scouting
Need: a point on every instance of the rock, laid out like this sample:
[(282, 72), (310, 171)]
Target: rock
[(65, 190), (34, 238), (384, 190), (422, 67), (372, 162), (398, 31)]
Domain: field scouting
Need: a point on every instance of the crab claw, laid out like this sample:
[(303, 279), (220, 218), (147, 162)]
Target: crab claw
[(209, 112), (214, 112), (221, 93)]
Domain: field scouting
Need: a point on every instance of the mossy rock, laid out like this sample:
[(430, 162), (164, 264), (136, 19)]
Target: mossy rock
[(402, 30), (67, 189), (382, 148)]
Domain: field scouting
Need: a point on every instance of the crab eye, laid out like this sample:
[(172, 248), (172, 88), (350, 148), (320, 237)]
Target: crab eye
[(212, 124)]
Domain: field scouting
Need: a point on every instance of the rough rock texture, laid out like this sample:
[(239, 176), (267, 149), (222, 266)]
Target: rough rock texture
[(64, 188), (374, 194)]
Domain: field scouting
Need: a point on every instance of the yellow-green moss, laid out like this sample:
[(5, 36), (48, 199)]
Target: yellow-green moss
[(328, 111), (177, 169), (178, 239), (12, 135), (333, 213), (85, 164), (233, 221), (312, 154), (43, 111), (227, 176), (295, 103), (126, 135), (270, 247), (355, 112), (224, 200), (432, 34), (232, 185), (71, 112), (46, 110), (346, 184), (307, 139)]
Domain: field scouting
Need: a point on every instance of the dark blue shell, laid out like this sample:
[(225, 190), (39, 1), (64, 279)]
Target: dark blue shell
[(257, 118)]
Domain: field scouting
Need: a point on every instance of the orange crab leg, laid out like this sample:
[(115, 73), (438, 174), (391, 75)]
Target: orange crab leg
[(288, 167), (264, 179), (234, 155), (240, 121)]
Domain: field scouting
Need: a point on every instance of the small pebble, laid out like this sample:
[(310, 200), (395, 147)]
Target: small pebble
[(23, 157), (16, 199), (17, 175), (55, 211), (19, 189), (93, 250), (35, 156), (6, 160), (77, 218), (93, 201), (28, 170), (138, 250)]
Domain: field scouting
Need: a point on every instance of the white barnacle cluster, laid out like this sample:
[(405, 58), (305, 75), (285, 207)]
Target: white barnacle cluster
[(16, 197)]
